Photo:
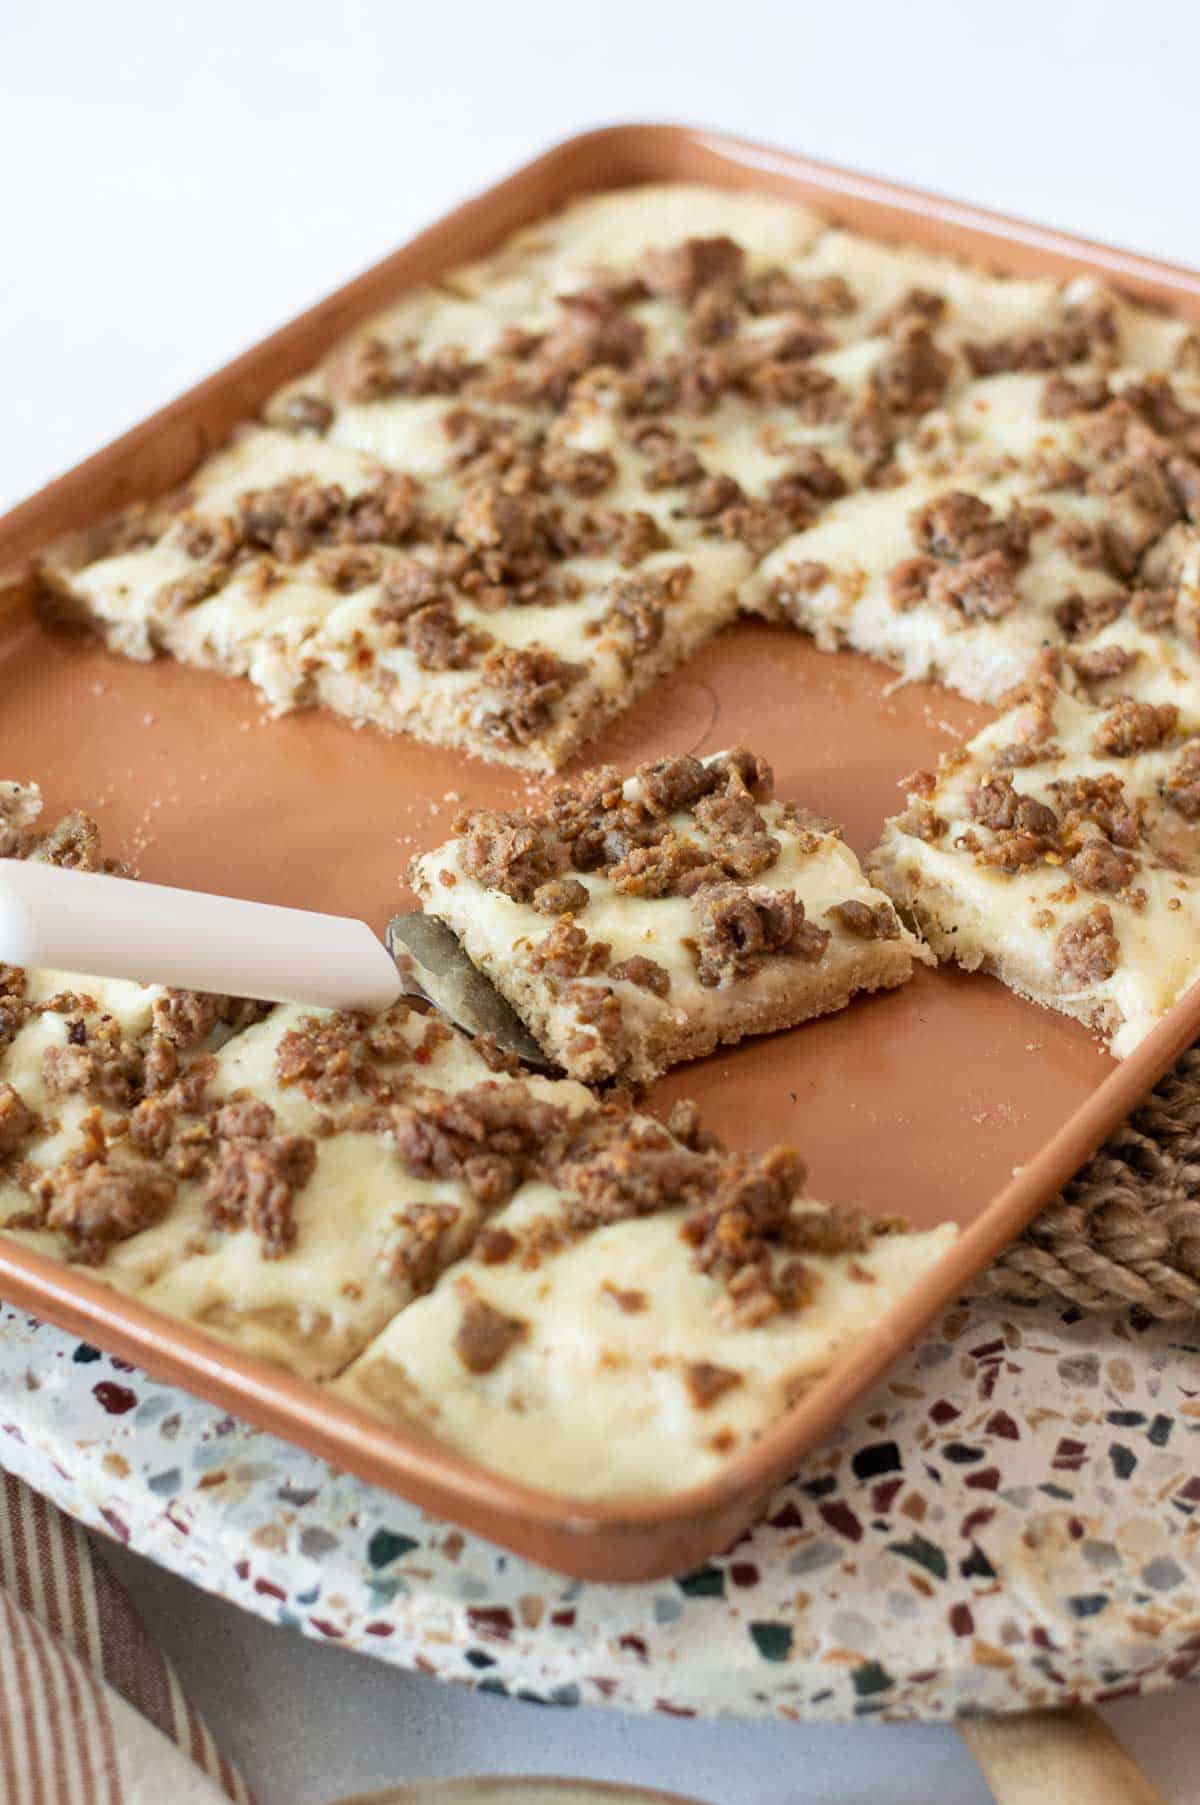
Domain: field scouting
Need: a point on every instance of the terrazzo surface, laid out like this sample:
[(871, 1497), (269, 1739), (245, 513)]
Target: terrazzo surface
[(1011, 1519)]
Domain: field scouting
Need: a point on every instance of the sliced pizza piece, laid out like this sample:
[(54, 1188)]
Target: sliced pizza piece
[(940, 579), (659, 1301), (1116, 457), (77, 1054), (640, 921), (294, 1190), (1060, 852), (509, 621), (349, 1161)]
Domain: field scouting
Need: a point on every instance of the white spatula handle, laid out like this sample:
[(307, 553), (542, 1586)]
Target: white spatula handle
[(109, 927)]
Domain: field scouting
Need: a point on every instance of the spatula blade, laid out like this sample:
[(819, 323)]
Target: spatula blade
[(425, 948)]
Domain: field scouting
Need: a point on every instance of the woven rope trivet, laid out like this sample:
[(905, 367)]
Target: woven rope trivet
[(1126, 1230)]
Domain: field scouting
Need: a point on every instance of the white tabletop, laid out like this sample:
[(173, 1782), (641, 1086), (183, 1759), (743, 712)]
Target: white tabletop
[(179, 180)]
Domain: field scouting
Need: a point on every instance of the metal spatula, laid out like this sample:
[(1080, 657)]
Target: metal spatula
[(110, 927)]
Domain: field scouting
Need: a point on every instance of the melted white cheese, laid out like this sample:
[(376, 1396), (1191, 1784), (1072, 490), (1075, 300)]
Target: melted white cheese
[(590, 1376)]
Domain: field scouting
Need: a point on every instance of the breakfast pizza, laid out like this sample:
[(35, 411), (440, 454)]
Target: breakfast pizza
[(1062, 509), (1060, 852), (635, 922), (653, 1299), (292, 1181), (501, 510), (492, 517), (511, 625)]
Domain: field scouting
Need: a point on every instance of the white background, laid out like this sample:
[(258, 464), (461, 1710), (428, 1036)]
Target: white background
[(179, 179)]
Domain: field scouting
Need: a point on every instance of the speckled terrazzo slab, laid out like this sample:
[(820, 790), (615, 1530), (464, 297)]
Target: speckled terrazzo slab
[(1012, 1519)]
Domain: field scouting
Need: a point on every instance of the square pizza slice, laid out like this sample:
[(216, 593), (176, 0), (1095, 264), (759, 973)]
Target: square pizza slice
[(639, 921), (1060, 852), (649, 1296), (289, 1191), (504, 621)]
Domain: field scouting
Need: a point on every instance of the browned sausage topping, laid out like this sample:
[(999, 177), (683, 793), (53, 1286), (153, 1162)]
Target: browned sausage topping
[(776, 292), (866, 921), (631, 1301), (923, 822), (439, 641), (188, 1017), (332, 1055), (1181, 786), (912, 377), (94, 1204), (673, 785), (673, 466), (485, 1335), (647, 974), (566, 952), (998, 805), (1100, 800), (97, 1062), (73, 842), (982, 588), (17, 1120), (686, 1124), (684, 271), (256, 1175), (1155, 609), (560, 896), (1102, 663), (490, 1138), (707, 1382), (595, 1008), (640, 605), (176, 1127), (958, 526), (746, 1221), (594, 332), (416, 1256), (909, 581), (1140, 504), (372, 371), (1062, 397), (515, 854), (1130, 727), (346, 568), (1080, 335), (531, 682), (1087, 950), (406, 587), (494, 1245), (739, 927), (738, 840), (1080, 617), (582, 473), (297, 517), (659, 869), (617, 1166), (628, 536), (1099, 866)]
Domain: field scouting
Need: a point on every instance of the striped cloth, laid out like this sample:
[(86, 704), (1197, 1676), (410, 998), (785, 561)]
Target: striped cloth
[(91, 1712)]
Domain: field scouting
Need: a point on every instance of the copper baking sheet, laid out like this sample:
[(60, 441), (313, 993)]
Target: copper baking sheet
[(949, 1098)]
